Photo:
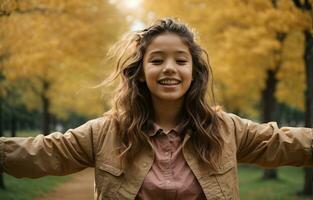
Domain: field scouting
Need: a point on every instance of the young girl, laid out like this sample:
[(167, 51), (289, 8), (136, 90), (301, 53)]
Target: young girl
[(161, 140)]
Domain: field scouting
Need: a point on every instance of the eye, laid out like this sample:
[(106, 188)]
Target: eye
[(156, 61), (181, 62)]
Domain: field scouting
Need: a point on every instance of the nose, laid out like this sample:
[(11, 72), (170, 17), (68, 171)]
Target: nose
[(169, 67)]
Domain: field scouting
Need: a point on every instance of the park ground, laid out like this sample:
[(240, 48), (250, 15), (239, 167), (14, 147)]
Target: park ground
[(80, 187)]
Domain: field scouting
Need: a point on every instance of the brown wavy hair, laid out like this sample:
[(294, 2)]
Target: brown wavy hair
[(132, 107)]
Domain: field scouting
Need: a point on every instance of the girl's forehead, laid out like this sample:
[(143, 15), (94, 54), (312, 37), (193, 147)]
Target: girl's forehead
[(168, 42)]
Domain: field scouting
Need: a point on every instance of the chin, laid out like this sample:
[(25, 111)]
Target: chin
[(171, 98)]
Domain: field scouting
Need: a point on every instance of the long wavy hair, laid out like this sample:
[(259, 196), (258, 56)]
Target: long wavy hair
[(132, 105)]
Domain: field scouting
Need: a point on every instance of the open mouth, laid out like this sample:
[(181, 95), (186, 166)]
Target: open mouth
[(169, 81)]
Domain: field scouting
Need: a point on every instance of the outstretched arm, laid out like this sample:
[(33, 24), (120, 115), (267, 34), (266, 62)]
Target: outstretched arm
[(268, 145), (54, 154)]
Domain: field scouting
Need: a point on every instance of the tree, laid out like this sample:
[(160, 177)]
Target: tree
[(57, 50), (306, 6), (3, 56)]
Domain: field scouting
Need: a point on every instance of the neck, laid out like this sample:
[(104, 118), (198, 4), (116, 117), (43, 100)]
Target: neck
[(167, 114)]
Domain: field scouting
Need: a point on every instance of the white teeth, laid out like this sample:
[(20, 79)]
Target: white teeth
[(169, 82)]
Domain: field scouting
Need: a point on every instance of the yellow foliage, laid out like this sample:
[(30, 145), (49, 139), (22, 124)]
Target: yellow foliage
[(62, 43), (291, 77)]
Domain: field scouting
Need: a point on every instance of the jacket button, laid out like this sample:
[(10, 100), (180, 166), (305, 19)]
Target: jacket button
[(144, 165)]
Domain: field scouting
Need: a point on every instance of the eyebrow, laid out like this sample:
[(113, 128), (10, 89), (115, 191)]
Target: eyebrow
[(162, 52)]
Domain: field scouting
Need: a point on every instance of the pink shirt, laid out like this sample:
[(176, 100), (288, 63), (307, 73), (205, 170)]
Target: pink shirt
[(170, 177)]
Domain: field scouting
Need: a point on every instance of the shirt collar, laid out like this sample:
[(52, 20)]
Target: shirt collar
[(155, 129)]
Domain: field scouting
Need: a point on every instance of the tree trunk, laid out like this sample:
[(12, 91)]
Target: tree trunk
[(269, 100), (53, 122), (269, 106), (46, 118), (308, 172), (306, 6), (2, 186), (13, 123)]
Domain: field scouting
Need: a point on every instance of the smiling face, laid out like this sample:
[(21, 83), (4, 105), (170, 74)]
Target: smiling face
[(167, 66)]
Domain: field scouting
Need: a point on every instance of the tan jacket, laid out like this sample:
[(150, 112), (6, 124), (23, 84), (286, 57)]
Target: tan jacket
[(95, 143)]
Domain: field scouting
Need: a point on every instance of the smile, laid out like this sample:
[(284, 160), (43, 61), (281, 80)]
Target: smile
[(169, 82)]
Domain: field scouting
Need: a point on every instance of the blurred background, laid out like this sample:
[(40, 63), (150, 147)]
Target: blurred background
[(52, 52)]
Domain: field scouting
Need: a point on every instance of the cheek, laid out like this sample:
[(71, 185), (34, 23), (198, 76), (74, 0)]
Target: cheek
[(188, 78), (150, 78), (188, 74), (188, 84)]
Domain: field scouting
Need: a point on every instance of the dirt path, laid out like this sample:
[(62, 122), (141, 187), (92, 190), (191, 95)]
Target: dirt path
[(80, 187)]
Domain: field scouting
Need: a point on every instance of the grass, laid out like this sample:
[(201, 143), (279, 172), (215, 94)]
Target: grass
[(29, 189), (24, 133), (290, 182)]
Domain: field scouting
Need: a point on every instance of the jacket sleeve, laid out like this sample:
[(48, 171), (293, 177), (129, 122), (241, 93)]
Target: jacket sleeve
[(268, 145), (54, 154)]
